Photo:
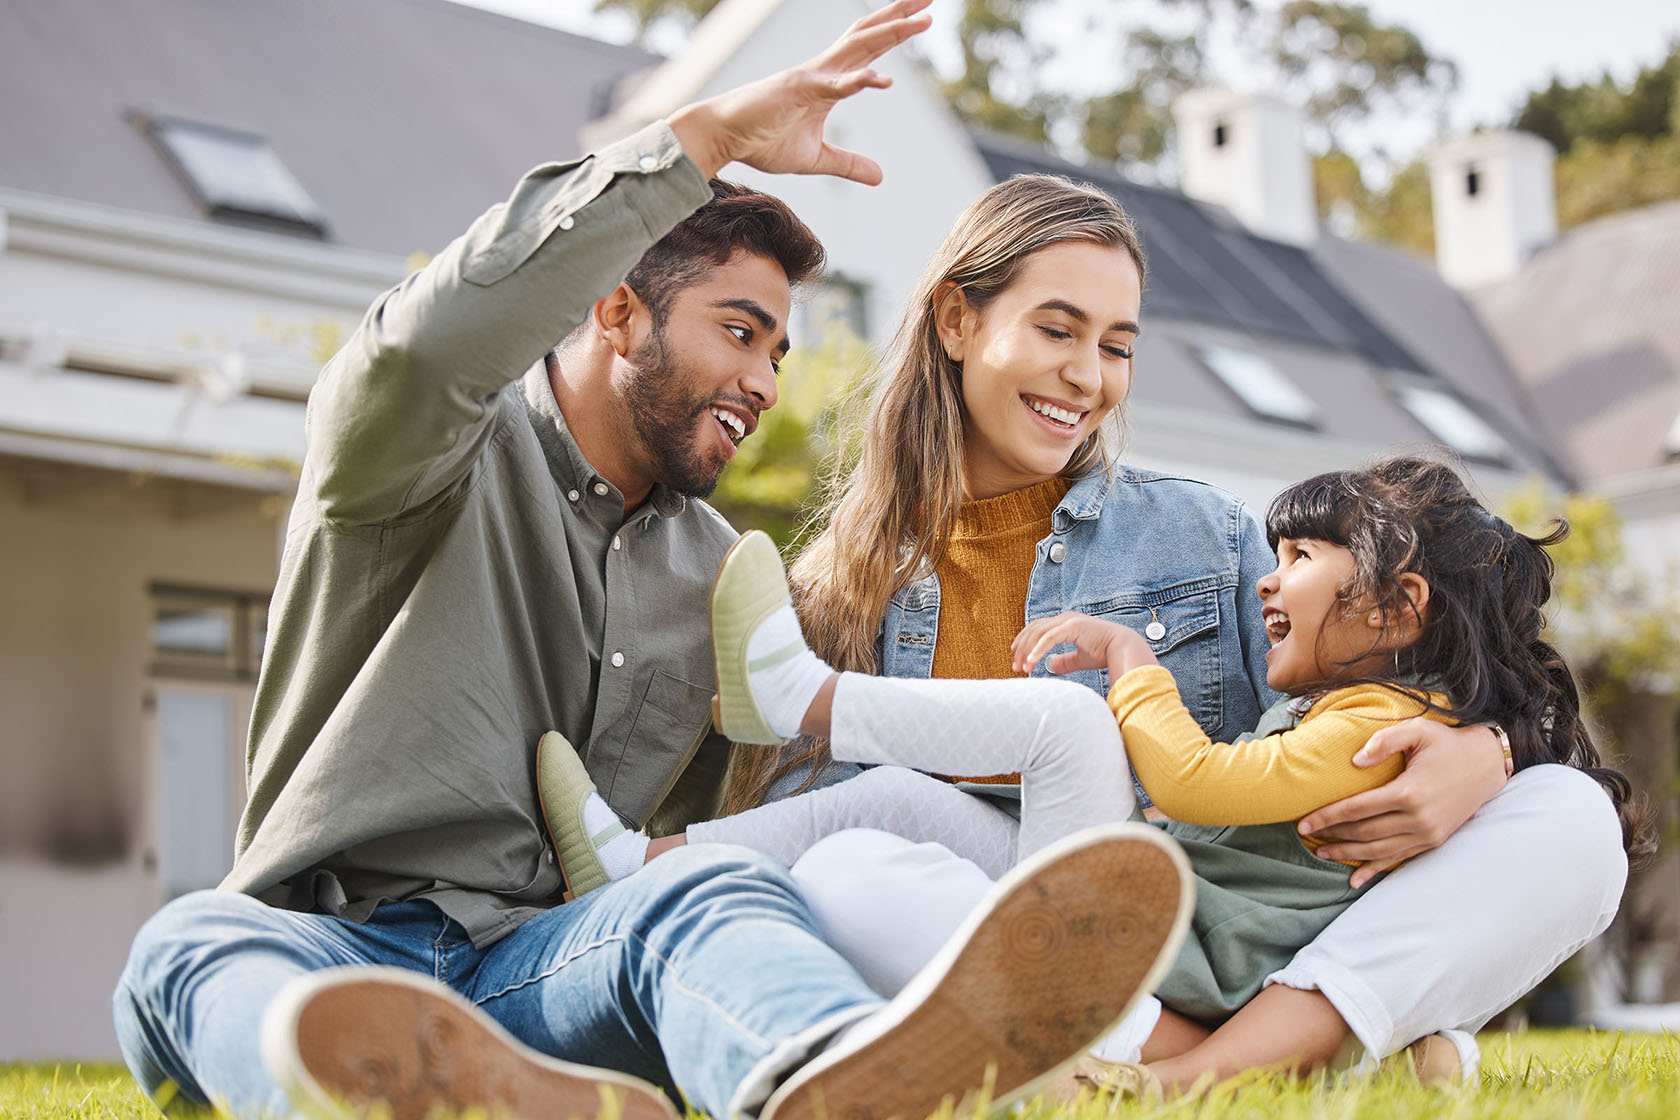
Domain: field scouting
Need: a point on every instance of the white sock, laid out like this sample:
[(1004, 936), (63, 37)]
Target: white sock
[(790, 676), (622, 851)]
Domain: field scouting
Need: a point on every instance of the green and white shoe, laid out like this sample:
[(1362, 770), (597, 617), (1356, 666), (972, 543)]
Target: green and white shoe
[(563, 785), (750, 587)]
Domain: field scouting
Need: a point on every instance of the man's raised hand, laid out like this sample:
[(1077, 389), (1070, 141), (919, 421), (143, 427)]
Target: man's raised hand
[(776, 124)]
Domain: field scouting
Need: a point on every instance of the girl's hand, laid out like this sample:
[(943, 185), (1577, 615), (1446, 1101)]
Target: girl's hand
[(1450, 773), (1097, 644)]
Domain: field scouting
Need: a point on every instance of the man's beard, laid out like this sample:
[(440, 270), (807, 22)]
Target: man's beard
[(664, 408)]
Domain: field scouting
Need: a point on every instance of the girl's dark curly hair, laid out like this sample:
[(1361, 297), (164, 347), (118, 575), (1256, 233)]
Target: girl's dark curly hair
[(1481, 632)]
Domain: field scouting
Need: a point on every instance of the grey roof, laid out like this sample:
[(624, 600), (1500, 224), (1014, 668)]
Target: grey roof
[(1405, 296), (1592, 327), (403, 119), (1331, 315)]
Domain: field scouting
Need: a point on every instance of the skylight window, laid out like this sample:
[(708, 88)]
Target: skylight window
[(1259, 385), (237, 176), (1451, 421)]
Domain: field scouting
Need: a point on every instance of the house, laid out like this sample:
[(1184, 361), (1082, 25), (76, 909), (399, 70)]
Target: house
[(198, 198)]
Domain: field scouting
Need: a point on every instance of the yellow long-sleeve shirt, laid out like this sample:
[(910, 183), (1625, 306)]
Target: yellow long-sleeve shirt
[(1277, 777)]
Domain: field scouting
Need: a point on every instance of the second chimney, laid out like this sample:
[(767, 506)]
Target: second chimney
[(1495, 204)]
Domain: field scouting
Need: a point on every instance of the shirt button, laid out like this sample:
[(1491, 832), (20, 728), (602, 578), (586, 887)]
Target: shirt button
[(573, 495), (1155, 631), (647, 163), (618, 660), (548, 854), (567, 222), (617, 544), (601, 489), (1058, 552)]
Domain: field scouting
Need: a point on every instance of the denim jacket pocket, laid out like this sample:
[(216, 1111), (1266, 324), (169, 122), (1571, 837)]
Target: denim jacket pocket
[(1186, 619)]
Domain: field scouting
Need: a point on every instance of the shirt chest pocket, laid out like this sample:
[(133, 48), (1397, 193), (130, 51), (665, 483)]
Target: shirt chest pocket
[(670, 721), (1181, 625)]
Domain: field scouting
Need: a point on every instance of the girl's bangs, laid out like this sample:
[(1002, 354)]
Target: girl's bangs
[(1322, 508)]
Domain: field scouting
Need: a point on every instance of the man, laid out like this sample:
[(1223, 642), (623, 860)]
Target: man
[(476, 557)]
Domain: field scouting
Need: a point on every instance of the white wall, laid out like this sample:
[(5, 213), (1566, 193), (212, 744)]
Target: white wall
[(81, 550)]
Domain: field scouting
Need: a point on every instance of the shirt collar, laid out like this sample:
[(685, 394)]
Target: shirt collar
[(570, 469)]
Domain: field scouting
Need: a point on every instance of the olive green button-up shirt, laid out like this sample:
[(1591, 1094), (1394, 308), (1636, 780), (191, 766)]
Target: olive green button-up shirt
[(457, 579)]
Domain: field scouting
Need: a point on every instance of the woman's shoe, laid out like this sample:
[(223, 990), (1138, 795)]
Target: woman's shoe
[(750, 587)]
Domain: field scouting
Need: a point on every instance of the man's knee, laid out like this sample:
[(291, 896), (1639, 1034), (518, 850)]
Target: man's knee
[(700, 874)]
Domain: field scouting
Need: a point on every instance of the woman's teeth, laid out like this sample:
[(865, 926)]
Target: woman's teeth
[(1277, 625), (1059, 415), (737, 427)]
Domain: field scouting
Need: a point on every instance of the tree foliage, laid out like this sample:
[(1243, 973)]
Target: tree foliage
[(1618, 146), (1618, 626)]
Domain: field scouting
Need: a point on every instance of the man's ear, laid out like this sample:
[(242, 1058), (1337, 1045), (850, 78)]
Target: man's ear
[(952, 318), (614, 318)]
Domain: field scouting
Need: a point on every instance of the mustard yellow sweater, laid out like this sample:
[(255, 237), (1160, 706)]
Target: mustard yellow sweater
[(1277, 777), (983, 579)]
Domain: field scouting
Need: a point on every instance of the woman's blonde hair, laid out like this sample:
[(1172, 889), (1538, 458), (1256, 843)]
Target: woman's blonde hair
[(887, 518)]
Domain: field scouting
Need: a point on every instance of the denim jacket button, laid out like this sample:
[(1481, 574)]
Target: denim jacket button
[(1058, 552), (1155, 631)]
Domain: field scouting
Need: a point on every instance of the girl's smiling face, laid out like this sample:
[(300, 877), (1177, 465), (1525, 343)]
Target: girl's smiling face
[(1044, 363), (1316, 635)]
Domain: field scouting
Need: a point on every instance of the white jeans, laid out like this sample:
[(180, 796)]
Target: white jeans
[(1447, 940)]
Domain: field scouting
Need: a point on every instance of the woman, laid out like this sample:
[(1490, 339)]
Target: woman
[(985, 496)]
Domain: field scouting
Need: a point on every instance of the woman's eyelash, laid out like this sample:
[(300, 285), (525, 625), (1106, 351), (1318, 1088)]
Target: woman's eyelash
[(1055, 333)]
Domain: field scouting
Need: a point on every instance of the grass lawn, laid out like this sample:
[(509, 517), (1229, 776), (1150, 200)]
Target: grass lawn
[(1538, 1075)]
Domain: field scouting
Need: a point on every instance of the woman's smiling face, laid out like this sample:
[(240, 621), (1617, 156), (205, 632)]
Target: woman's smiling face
[(1044, 363)]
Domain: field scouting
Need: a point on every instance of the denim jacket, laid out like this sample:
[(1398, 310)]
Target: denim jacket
[(1137, 549)]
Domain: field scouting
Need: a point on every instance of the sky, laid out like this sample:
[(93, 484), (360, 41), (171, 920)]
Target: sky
[(1504, 48)]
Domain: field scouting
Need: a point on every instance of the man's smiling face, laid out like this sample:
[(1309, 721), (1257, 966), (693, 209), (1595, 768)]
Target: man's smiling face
[(695, 386)]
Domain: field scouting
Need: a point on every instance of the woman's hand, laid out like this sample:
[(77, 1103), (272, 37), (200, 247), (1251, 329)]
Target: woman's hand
[(1097, 644), (1450, 773)]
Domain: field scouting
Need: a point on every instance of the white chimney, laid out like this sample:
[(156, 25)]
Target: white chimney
[(1247, 152), (1495, 204)]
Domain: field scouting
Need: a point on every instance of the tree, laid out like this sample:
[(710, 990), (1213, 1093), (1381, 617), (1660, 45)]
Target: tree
[(1618, 148)]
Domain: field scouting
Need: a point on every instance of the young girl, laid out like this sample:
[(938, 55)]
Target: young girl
[(1396, 594)]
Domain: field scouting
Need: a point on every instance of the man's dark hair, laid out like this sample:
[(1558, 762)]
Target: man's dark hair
[(737, 219)]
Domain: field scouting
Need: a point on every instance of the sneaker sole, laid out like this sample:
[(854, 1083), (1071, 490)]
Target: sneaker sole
[(1065, 946), (352, 1042)]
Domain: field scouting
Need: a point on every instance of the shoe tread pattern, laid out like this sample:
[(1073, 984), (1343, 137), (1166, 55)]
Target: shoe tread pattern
[(395, 1051), (1055, 967)]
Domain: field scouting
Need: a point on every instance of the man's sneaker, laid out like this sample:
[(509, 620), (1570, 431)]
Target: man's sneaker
[(348, 1042), (1058, 952), (563, 785)]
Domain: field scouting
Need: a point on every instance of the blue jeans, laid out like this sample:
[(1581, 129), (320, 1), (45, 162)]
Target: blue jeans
[(700, 973)]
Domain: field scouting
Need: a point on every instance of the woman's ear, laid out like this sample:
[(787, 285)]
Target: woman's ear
[(951, 315), (614, 318)]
